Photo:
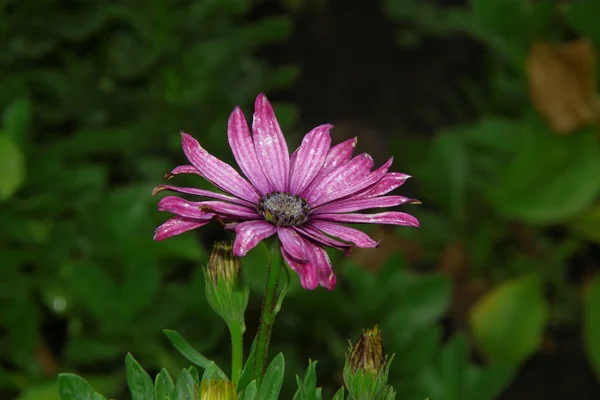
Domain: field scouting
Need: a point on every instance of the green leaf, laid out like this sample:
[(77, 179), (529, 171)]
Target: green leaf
[(12, 167), (587, 225), (194, 372), (445, 173), (74, 387), (550, 179), (582, 15), (16, 120), (307, 387), (271, 383), (190, 353), (591, 324), (185, 388), (453, 367), (340, 394), (488, 384), (508, 321), (138, 380), (43, 391), (98, 396), (248, 370), (250, 392), (212, 372), (163, 386)]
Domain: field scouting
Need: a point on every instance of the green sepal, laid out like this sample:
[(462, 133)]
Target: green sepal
[(163, 386), (186, 387), (227, 298), (366, 385)]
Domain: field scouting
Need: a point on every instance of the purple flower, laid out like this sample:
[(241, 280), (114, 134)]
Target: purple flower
[(302, 198)]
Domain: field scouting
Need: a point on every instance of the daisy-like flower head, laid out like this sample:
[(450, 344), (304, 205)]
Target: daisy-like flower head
[(303, 199)]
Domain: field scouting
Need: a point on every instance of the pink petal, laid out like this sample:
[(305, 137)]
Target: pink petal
[(183, 169), (309, 158), (316, 270), (220, 174), (292, 243), (249, 234), (389, 182), (242, 146), (319, 257), (389, 217), (199, 192), (183, 208), (340, 154), (354, 236), (352, 204), (237, 211), (337, 180), (355, 185), (176, 226), (322, 239), (308, 272), (270, 145)]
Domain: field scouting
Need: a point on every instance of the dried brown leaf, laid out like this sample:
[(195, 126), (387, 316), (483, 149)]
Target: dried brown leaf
[(562, 84)]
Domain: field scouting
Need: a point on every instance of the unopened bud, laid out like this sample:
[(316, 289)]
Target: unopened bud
[(367, 367), (214, 389), (224, 292), (223, 264), (367, 353)]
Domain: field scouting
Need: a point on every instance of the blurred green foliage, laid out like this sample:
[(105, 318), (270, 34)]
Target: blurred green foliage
[(93, 95), (519, 201)]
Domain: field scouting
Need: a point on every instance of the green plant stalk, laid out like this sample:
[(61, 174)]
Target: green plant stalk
[(236, 330), (268, 313)]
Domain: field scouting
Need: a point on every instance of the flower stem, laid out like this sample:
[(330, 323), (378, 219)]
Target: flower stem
[(236, 329), (268, 313)]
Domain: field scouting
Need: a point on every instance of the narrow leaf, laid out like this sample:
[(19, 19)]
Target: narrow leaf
[(248, 370), (271, 384), (189, 352)]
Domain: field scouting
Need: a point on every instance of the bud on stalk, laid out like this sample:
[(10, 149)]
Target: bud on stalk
[(367, 367)]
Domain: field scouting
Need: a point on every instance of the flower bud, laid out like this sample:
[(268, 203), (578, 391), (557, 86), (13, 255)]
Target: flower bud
[(224, 292), (216, 389), (367, 367)]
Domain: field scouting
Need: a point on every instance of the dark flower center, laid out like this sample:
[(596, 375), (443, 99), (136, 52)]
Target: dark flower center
[(283, 209)]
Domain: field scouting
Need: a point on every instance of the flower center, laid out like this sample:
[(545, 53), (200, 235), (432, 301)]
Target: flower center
[(283, 209)]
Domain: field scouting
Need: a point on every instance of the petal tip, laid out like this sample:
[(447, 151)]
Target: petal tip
[(330, 283), (261, 100), (158, 189)]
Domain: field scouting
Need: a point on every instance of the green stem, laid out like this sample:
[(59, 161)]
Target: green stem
[(268, 313), (236, 329)]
